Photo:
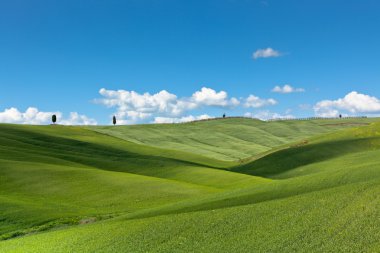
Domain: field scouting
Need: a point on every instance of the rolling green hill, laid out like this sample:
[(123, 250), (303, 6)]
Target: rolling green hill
[(232, 185), (228, 139)]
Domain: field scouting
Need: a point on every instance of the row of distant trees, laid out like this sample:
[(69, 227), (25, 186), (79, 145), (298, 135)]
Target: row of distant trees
[(284, 119), (54, 119), (316, 118)]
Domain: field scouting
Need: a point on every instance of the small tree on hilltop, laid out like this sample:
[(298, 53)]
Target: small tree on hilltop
[(54, 118), (224, 115), (114, 120)]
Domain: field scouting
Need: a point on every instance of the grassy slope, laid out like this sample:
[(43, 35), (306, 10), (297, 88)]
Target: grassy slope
[(227, 139), (327, 200), (341, 219), (62, 174)]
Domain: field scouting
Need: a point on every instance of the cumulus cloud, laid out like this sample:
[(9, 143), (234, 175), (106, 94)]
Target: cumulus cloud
[(35, 117), (77, 119), (160, 120), (353, 103), (132, 107), (253, 101), (267, 115), (30, 116), (210, 97), (266, 53), (287, 89)]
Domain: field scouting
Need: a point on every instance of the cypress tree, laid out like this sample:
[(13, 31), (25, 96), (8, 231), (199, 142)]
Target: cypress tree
[(54, 118)]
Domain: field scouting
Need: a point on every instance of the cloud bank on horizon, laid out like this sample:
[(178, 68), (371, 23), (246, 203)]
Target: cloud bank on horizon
[(35, 117), (352, 104), (131, 107), (163, 107)]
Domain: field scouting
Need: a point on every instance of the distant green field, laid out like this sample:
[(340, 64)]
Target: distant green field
[(227, 139), (229, 185)]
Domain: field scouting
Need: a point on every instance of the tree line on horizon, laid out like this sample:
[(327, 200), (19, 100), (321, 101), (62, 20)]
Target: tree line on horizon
[(54, 119), (114, 121)]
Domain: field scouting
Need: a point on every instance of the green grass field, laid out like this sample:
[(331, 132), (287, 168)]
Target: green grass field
[(231, 185)]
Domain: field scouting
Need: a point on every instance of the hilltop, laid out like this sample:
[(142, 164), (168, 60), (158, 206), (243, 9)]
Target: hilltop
[(228, 139)]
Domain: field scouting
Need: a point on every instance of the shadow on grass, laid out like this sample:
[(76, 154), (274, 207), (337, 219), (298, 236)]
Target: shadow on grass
[(86, 153), (273, 192), (291, 158)]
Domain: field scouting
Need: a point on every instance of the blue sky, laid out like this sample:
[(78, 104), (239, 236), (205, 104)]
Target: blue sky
[(56, 56)]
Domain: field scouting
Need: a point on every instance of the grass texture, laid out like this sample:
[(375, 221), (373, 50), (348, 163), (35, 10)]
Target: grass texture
[(232, 185)]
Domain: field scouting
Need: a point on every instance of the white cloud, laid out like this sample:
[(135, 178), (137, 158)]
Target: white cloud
[(31, 116), (287, 89), (255, 102), (77, 119), (35, 117), (133, 107), (266, 115), (266, 53), (353, 103), (210, 97), (160, 120), (162, 101)]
